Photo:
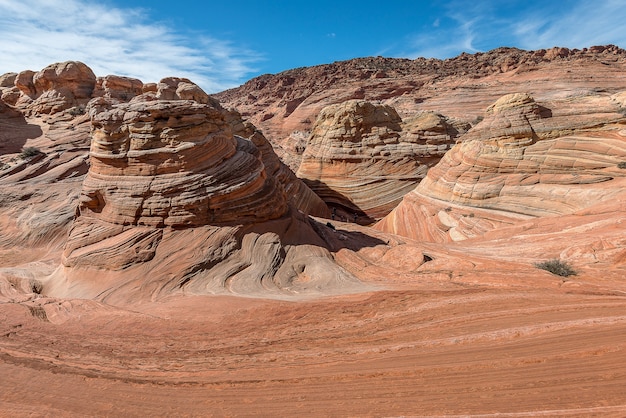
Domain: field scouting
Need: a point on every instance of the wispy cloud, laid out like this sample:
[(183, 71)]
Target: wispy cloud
[(36, 33), (528, 24), (580, 24)]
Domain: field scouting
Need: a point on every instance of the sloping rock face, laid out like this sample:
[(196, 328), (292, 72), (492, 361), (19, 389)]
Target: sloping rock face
[(298, 193), (161, 155), (46, 115), (522, 161), (363, 158), (174, 202)]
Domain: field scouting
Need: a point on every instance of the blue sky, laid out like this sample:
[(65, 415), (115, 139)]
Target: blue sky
[(222, 44)]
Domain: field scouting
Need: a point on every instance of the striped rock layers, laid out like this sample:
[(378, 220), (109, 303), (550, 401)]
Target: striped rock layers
[(174, 202), (364, 158), (522, 161)]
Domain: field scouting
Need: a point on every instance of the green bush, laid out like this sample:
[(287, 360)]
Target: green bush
[(621, 164), (558, 267), (29, 152)]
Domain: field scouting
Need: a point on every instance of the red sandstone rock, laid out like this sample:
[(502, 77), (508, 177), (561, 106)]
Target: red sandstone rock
[(298, 193), (171, 195), (523, 160), (62, 86), (8, 79), (284, 106), (116, 87), (362, 157)]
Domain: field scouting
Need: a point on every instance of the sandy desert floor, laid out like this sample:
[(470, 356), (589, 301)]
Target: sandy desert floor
[(439, 347)]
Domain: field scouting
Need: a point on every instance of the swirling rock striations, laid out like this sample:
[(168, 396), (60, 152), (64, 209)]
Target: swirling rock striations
[(174, 202), (364, 158), (522, 161), (174, 163), (50, 116), (298, 193)]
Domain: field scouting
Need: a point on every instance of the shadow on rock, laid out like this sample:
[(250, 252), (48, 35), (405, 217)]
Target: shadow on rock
[(14, 131)]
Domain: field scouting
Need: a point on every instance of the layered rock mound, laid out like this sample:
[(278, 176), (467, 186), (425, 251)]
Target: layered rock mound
[(363, 158), (45, 141), (44, 148), (522, 161), (174, 202)]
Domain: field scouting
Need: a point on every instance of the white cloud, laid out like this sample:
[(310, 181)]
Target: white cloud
[(530, 24), (36, 33), (582, 24)]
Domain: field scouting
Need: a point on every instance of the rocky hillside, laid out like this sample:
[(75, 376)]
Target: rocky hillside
[(286, 105), (523, 161)]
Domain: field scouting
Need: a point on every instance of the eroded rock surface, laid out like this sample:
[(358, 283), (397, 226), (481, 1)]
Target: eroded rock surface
[(298, 193), (286, 105), (174, 202), (523, 160), (362, 157), (461, 316), (55, 88)]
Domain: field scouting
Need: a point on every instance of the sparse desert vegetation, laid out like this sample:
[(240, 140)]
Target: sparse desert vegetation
[(556, 266)]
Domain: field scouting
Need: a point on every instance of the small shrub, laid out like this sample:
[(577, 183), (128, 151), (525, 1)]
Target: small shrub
[(558, 267), (622, 165), (29, 152), (77, 111)]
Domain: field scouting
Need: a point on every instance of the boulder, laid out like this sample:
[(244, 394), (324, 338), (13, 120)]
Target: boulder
[(56, 88), (118, 87), (8, 79)]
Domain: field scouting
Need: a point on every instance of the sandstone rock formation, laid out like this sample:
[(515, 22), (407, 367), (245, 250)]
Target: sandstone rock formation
[(117, 87), (174, 202), (298, 194), (49, 181), (63, 87), (55, 88), (363, 158), (523, 160)]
